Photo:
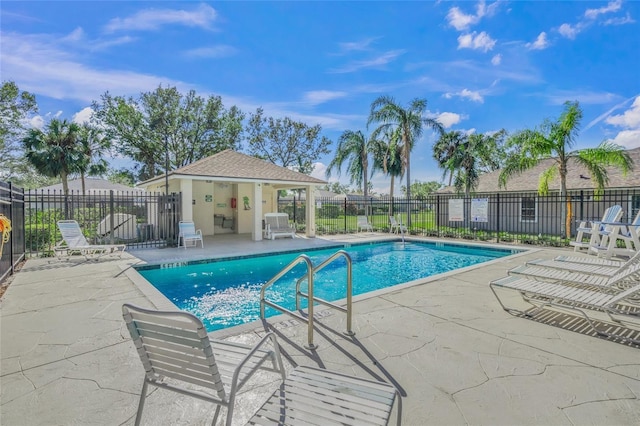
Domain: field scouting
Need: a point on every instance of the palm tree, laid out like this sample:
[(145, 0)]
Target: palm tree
[(387, 157), (93, 146), (354, 148), (475, 154), (445, 149), (554, 139), (409, 122), (55, 152)]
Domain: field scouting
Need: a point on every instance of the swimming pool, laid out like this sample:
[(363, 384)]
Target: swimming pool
[(226, 292)]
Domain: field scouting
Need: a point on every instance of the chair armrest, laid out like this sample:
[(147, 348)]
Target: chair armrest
[(269, 336)]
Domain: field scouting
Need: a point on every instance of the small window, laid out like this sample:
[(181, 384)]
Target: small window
[(634, 206), (528, 209)]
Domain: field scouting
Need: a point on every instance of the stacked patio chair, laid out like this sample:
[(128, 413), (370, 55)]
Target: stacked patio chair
[(396, 226), (626, 232), (597, 230), (363, 224), (620, 307), (604, 277)]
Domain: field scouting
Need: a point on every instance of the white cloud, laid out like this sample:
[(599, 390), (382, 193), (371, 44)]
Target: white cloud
[(497, 59), (448, 119), (461, 21), (83, 116), (612, 6), (627, 138), (319, 171), (378, 61), (316, 97), (350, 46), (620, 21), (153, 19), (630, 119), (541, 42), (37, 122), (466, 93), (568, 31), (219, 51), (41, 65), (475, 41)]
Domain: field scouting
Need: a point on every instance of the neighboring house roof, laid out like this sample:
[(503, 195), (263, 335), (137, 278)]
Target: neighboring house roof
[(355, 197), (578, 177), (91, 186), (235, 165), (318, 193)]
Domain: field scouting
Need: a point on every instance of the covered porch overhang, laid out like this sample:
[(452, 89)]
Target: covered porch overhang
[(226, 205)]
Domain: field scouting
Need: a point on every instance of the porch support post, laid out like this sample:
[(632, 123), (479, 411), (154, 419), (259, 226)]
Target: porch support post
[(311, 212), (186, 187), (256, 229)]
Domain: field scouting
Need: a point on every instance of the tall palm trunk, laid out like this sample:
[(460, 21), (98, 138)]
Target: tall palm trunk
[(407, 159), (391, 195), (83, 182), (65, 183), (565, 225)]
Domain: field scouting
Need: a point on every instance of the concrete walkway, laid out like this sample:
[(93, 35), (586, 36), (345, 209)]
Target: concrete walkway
[(458, 358)]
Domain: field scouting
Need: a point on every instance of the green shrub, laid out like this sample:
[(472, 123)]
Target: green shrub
[(328, 211)]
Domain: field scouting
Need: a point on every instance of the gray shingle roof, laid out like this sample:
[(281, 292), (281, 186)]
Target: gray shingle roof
[(578, 177), (91, 185), (236, 165)]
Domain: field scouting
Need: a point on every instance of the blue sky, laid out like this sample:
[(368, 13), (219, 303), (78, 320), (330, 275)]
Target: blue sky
[(482, 66)]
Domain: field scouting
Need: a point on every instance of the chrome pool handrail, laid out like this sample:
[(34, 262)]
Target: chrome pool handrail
[(309, 319), (347, 310)]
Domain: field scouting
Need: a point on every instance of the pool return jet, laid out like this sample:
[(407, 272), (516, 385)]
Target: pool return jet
[(309, 277)]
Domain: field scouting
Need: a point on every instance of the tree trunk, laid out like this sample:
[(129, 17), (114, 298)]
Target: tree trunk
[(563, 192), (391, 195), (65, 184), (83, 184), (408, 166)]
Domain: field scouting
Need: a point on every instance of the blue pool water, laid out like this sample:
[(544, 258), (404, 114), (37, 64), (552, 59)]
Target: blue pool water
[(224, 293)]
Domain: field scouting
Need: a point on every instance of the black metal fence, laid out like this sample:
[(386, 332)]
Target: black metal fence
[(135, 218), (13, 250), (503, 217)]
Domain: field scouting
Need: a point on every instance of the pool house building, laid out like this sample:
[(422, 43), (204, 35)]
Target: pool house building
[(229, 192)]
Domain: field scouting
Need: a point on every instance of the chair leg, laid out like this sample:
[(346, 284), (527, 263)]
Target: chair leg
[(215, 416), (143, 396)]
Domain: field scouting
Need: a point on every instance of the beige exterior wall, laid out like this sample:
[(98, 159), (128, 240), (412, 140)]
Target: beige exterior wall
[(245, 217), (203, 194)]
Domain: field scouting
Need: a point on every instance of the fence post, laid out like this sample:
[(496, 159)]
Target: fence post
[(345, 214), (12, 235), (438, 214), (497, 218)]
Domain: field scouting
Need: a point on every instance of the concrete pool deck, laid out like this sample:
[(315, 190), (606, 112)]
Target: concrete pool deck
[(455, 355)]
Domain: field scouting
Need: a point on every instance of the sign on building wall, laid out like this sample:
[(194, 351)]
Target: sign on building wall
[(480, 210), (456, 210)]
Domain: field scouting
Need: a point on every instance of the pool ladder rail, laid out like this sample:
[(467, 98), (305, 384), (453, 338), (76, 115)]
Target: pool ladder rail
[(309, 277)]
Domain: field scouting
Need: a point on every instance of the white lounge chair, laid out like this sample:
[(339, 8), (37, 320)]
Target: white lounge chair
[(175, 351), (396, 226), (74, 241), (187, 233), (596, 229), (312, 396), (589, 260), (622, 277), (277, 225), (627, 232), (363, 224), (621, 305)]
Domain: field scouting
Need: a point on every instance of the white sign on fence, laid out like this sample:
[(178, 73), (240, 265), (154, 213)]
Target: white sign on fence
[(480, 210), (456, 210)]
